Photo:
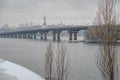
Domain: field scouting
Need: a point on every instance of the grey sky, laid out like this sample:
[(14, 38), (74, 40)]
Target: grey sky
[(15, 12)]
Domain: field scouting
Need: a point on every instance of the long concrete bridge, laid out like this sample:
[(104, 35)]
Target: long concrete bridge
[(56, 31)]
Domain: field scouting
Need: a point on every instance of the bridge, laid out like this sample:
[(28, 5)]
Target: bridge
[(56, 31)]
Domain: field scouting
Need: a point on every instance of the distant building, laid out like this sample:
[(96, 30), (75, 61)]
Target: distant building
[(44, 20), (6, 26)]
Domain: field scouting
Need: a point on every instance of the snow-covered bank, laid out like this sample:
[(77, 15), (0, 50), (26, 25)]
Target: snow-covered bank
[(12, 71)]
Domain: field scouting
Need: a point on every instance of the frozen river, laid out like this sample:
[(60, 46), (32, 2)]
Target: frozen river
[(30, 54)]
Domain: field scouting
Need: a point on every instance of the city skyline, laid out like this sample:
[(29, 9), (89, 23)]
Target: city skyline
[(14, 12)]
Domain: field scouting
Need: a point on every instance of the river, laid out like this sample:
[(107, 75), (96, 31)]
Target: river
[(30, 54)]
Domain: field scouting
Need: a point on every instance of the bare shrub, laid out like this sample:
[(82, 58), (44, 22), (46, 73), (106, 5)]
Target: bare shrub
[(48, 67), (62, 63), (58, 70)]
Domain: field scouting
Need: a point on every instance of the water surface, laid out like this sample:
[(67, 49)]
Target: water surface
[(30, 54)]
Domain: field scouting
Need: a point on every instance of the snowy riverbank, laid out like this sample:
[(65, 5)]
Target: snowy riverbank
[(12, 71)]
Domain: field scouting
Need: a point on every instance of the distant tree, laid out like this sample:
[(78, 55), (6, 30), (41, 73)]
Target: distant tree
[(106, 31), (90, 35)]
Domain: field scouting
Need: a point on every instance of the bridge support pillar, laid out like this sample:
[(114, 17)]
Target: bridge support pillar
[(75, 35), (25, 35), (45, 36), (4, 36), (34, 35), (54, 36), (70, 36), (41, 36), (58, 36), (0, 36), (19, 35), (15, 35), (29, 36), (11, 36), (8, 36)]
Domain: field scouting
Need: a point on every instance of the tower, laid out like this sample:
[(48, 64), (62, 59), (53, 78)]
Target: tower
[(44, 19)]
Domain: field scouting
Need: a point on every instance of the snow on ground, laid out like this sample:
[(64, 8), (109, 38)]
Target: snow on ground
[(12, 71)]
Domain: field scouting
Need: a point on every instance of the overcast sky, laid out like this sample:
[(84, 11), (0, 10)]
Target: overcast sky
[(15, 12)]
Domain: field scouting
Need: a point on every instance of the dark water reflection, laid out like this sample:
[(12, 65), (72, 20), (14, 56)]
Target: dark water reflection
[(30, 54)]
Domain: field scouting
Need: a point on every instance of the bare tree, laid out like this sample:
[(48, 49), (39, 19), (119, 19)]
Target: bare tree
[(49, 58), (61, 63), (106, 31)]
